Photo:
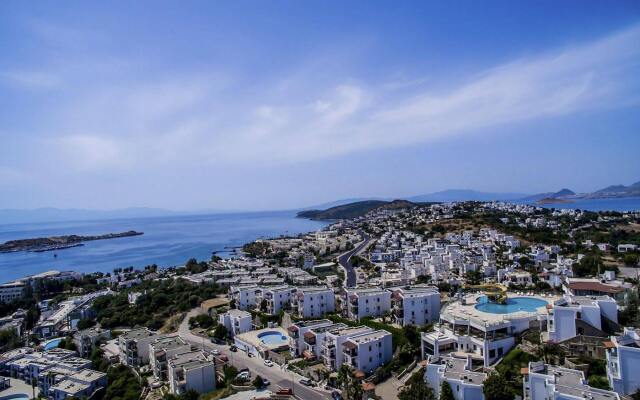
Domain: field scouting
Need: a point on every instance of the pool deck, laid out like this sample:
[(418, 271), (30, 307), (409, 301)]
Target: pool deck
[(252, 338), (18, 387), (468, 311)]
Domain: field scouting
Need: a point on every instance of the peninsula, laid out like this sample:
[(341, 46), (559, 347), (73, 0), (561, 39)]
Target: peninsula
[(58, 242)]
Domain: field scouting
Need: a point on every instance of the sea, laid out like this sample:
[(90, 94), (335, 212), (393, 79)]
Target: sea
[(172, 240), (167, 241), (622, 204)]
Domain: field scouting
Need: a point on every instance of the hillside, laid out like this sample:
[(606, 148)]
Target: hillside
[(354, 210), (551, 195)]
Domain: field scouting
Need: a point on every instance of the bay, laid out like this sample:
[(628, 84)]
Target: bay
[(167, 241)]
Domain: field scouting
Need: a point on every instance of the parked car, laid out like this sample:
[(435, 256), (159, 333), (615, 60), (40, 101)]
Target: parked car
[(233, 348), (215, 352), (266, 382), (336, 395), (244, 375), (306, 382), (268, 363)]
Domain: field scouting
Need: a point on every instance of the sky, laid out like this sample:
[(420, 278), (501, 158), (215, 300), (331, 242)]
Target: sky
[(257, 105)]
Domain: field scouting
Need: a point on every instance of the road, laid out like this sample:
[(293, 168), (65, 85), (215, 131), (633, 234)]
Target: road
[(279, 377), (344, 261)]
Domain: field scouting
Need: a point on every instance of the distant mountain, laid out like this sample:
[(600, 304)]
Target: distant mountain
[(14, 216), (614, 191), (551, 195), (464, 195), (341, 202), (354, 210)]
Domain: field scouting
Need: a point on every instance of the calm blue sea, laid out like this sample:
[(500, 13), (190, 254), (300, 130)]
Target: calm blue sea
[(627, 204), (167, 241)]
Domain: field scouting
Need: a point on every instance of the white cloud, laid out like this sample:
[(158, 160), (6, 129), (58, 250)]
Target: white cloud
[(91, 152), (212, 118)]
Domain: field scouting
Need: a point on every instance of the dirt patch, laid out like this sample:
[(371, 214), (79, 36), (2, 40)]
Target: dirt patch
[(171, 325), (632, 227)]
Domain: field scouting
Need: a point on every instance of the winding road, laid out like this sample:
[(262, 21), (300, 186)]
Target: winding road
[(344, 260)]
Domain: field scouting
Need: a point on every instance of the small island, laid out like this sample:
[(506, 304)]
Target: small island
[(554, 200), (58, 242)]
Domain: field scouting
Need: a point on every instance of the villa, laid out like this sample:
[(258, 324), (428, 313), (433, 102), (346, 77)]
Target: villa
[(545, 382), (485, 331), (623, 360), (465, 383)]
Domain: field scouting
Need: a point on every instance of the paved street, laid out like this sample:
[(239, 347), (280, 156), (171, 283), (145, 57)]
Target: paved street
[(277, 375), (344, 260)]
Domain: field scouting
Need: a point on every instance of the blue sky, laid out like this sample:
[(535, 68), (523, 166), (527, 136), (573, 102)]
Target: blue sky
[(266, 105)]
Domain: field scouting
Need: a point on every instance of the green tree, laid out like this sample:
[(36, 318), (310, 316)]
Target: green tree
[(258, 382), (220, 332), (630, 259), (496, 387), (446, 393), (416, 388)]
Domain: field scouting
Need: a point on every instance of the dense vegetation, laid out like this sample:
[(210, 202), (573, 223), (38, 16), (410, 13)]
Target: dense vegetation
[(161, 300), (354, 210)]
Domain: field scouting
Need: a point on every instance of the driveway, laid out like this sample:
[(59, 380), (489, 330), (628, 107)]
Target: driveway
[(278, 376)]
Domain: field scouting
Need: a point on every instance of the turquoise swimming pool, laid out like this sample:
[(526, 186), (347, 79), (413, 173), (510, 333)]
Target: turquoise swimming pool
[(273, 338), (52, 344), (514, 304)]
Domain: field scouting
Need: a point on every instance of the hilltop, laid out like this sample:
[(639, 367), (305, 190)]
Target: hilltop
[(354, 210)]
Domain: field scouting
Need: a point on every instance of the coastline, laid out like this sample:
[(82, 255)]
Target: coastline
[(167, 241)]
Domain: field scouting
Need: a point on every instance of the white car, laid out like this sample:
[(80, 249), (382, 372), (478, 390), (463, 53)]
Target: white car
[(268, 363), (215, 352)]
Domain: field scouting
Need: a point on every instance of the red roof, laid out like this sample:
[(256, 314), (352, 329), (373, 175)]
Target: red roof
[(608, 344), (309, 335), (595, 287)]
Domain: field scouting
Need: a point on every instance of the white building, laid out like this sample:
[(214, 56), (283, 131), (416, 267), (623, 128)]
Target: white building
[(134, 346), (313, 302), (191, 371), (579, 315), (11, 291), (367, 351), (161, 350), (82, 384), (275, 298), (362, 303), (623, 361), (546, 382), (332, 354), (415, 306), (236, 321), (298, 331), (244, 296), (465, 384)]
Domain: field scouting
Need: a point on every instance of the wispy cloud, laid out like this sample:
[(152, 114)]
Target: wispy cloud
[(214, 118)]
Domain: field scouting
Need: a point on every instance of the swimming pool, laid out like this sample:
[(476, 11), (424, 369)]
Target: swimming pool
[(514, 304), (52, 344), (15, 396), (273, 338)]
